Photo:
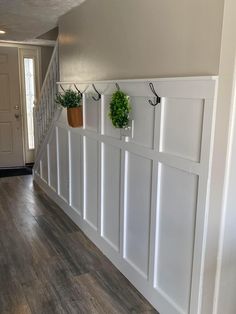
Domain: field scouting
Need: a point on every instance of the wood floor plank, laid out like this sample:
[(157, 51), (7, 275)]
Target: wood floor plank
[(48, 265)]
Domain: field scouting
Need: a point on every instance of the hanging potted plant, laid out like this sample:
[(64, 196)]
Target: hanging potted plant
[(73, 102), (120, 109)]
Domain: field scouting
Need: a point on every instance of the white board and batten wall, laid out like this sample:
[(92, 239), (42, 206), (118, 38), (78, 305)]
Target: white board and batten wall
[(141, 200)]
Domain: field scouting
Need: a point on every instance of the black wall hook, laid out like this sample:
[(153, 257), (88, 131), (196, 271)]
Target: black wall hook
[(79, 92), (158, 99), (117, 86), (99, 95)]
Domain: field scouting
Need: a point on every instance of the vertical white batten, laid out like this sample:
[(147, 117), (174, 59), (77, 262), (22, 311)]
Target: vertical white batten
[(70, 169), (58, 168), (84, 178), (48, 164)]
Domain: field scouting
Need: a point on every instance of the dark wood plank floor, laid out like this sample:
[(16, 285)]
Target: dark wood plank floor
[(47, 265)]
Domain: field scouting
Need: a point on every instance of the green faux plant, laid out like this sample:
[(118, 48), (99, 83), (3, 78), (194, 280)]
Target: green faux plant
[(119, 109), (69, 99)]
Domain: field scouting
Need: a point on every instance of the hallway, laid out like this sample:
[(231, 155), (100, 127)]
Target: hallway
[(47, 265)]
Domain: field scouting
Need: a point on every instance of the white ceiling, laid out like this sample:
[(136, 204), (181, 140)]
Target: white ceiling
[(27, 19)]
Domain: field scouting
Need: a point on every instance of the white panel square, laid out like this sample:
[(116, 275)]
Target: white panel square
[(63, 163), (44, 166), (91, 179), (143, 116), (53, 160), (182, 127), (137, 211), (76, 171), (63, 117), (91, 113), (176, 225), (111, 195)]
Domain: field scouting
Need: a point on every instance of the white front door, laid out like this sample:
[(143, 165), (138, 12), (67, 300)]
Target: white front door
[(11, 144)]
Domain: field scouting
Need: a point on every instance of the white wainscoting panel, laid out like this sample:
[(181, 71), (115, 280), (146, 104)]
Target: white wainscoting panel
[(91, 109), (44, 166), (63, 162), (177, 204), (141, 200), (52, 160), (182, 127), (76, 170), (143, 117), (63, 117), (91, 182), (138, 176), (110, 209)]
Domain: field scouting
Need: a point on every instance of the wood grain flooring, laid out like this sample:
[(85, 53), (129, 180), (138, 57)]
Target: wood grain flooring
[(48, 266)]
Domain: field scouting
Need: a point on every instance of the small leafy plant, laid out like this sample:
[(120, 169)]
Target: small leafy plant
[(120, 109), (70, 99)]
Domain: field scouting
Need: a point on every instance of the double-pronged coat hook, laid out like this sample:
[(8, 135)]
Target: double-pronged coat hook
[(99, 95), (158, 99), (79, 92), (117, 86)]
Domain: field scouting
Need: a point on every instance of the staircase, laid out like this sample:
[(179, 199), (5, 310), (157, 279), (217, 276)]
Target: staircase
[(45, 108)]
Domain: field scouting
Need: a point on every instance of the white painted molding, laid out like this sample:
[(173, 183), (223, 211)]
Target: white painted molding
[(141, 200), (196, 87)]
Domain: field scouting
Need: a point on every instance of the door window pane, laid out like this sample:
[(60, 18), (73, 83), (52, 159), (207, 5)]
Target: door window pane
[(29, 97)]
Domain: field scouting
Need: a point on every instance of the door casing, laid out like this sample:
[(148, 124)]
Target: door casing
[(35, 54)]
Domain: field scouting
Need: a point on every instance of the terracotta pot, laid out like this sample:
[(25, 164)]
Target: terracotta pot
[(75, 117)]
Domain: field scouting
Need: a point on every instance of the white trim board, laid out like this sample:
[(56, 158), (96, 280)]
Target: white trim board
[(194, 87)]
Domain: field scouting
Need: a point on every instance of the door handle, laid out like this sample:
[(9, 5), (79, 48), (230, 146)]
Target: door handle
[(17, 116)]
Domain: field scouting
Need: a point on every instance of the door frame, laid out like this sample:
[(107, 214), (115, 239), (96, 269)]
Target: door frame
[(34, 53)]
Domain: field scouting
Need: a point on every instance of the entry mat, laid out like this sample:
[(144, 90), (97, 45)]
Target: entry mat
[(16, 171)]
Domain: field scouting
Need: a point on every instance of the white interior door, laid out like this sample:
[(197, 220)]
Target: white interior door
[(11, 144)]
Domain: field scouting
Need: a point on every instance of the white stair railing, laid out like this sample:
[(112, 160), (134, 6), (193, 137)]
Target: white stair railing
[(45, 108)]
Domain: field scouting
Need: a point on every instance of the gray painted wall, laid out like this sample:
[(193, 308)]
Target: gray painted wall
[(46, 53), (111, 39), (50, 35)]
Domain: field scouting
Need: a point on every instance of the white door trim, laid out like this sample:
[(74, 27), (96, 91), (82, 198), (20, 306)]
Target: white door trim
[(35, 54)]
